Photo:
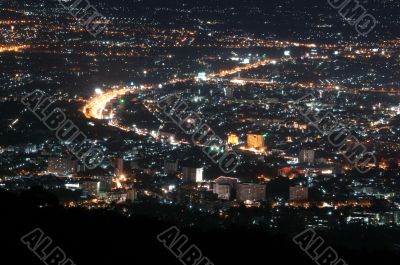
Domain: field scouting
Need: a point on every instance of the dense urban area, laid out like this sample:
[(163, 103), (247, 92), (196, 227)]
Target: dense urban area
[(277, 84)]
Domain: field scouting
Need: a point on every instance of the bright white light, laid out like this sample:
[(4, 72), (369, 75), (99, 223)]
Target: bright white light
[(199, 174), (98, 91), (286, 53), (202, 76), (72, 185)]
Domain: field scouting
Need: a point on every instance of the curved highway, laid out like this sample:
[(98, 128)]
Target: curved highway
[(95, 106)]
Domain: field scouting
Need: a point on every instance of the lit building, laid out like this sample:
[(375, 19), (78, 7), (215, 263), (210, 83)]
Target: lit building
[(167, 135), (61, 166), (224, 187), (105, 183), (30, 149), (189, 196), (119, 166), (228, 91), (284, 171), (227, 180), (192, 174), (251, 192), (201, 76), (170, 167), (307, 156), (223, 191), (255, 141), (298, 193), (90, 187), (396, 217), (233, 139), (131, 195)]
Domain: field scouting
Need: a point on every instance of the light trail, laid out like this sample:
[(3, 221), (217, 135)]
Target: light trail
[(94, 108), (238, 69), (14, 48)]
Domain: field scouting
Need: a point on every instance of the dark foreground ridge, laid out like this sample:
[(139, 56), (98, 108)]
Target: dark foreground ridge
[(105, 237)]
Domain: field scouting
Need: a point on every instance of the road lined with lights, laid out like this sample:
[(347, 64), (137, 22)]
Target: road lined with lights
[(246, 67), (96, 106), (14, 48)]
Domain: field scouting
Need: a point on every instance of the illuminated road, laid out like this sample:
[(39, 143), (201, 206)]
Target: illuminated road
[(238, 69), (13, 48), (94, 108)]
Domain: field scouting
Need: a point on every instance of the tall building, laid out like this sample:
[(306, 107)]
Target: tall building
[(192, 174), (307, 156), (61, 166), (223, 191), (225, 187), (396, 217), (170, 167), (256, 141), (251, 192), (119, 166), (227, 180), (228, 91), (90, 187), (105, 183), (131, 195), (298, 193), (233, 139)]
